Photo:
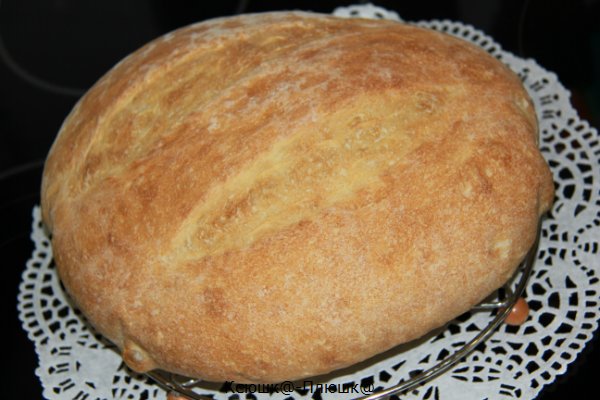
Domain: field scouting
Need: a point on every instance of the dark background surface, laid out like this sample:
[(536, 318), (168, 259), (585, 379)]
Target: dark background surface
[(53, 50)]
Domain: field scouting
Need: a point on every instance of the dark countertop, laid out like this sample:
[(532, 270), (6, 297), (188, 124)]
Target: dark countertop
[(53, 50)]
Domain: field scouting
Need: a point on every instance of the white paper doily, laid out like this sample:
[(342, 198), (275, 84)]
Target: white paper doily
[(563, 291)]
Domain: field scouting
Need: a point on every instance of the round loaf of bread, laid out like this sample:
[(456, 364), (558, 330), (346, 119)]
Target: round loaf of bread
[(274, 196)]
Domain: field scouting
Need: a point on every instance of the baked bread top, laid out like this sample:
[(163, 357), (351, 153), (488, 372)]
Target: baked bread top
[(274, 196)]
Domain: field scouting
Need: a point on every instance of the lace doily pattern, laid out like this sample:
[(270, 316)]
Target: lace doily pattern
[(563, 292)]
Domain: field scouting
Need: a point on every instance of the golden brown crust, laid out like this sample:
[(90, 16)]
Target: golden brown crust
[(275, 196)]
